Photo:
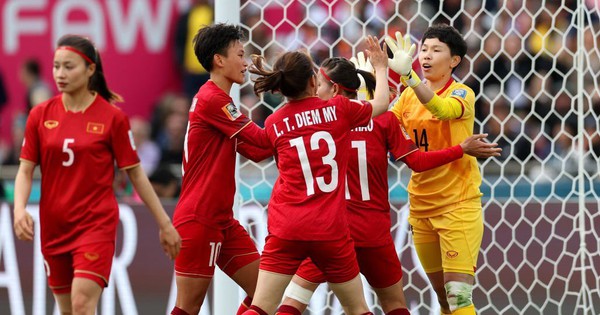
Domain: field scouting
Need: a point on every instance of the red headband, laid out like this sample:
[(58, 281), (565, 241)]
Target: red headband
[(329, 79), (75, 50)]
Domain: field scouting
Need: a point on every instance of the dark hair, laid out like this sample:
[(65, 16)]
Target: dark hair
[(343, 72), (32, 66), (97, 81), (290, 75), (214, 39), (449, 36)]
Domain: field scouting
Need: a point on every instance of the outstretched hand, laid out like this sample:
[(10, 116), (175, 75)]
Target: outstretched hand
[(376, 54), (403, 51), (362, 63), (475, 146)]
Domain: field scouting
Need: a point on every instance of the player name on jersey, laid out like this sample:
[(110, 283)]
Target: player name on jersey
[(367, 128), (306, 118)]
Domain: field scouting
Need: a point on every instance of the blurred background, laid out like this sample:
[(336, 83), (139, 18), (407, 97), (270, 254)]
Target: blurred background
[(534, 66)]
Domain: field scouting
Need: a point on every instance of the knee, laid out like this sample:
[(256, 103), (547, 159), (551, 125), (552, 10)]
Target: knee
[(82, 304), (459, 294)]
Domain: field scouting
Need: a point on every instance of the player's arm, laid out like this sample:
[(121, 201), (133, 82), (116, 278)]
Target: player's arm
[(474, 145), (23, 223), (443, 108), (379, 60), (252, 152), (169, 238)]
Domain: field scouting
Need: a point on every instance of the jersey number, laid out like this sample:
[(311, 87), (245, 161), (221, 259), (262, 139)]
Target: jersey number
[(68, 151), (363, 175), (215, 248), (422, 140), (328, 159)]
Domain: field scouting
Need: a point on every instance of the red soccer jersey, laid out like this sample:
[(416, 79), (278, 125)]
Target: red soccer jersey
[(76, 153), (367, 180), (208, 186), (311, 141)]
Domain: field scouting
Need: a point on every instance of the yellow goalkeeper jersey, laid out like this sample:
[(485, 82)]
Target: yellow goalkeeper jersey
[(454, 185)]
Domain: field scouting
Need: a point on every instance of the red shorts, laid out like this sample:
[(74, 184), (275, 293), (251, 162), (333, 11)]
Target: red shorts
[(90, 261), (204, 247), (336, 258), (380, 266)]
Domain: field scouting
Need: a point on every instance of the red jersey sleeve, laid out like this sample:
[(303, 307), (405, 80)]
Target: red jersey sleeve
[(358, 113), (30, 150), (123, 146), (252, 152), (399, 143), (225, 116)]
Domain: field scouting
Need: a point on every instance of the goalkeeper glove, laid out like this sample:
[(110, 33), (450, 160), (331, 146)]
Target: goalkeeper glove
[(402, 60), (364, 64)]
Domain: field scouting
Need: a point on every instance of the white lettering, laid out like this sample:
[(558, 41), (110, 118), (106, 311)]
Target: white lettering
[(277, 132), (329, 113), (286, 120), (13, 25), (367, 128), (128, 25), (119, 278), (10, 277), (93, 27)]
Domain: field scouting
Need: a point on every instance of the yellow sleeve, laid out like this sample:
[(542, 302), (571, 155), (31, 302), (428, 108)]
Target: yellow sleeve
[(396, 108), (448, 108)]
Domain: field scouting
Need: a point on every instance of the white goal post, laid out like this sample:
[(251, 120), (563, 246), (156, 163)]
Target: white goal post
[(535, 68)]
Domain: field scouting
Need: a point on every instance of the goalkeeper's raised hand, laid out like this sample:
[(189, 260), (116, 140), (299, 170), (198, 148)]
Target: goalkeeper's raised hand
[(402, 60), (363, 64)]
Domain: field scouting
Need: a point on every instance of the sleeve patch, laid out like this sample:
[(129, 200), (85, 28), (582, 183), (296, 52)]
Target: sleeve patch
[(231, 111), (405, 133), (131, 141), (460, 93)]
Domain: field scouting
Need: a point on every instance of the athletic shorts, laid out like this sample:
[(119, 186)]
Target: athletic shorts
[(380, 266), (90, 261), (203, 247), (449, 242), (336, 259)]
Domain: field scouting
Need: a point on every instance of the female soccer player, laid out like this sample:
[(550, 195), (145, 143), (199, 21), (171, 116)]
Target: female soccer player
[(367, 192), (75, 138), (204, 216), (307, 210), (445, 203)]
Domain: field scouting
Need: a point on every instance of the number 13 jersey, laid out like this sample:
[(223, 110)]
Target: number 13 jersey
[(311, 141)]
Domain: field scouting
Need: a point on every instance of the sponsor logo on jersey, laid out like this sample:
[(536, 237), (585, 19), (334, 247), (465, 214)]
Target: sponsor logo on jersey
[(406, 115), (460, 93), (96, 128), (50, 124), (451, 254), (231, 111), (91, 256)]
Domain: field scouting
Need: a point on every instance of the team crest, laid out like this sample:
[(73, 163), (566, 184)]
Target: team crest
[(50, 124), (96, 128), (231, 111), (406, 115), (460, 93), (91, 256), (451, 254)]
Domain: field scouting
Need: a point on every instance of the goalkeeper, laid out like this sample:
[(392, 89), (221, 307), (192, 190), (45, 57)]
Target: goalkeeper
[(445, 203)]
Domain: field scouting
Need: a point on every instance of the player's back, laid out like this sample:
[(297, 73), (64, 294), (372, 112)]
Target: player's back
[(310, 137)]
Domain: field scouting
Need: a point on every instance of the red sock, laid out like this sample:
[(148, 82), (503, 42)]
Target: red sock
[(177, 311), (398, 311), (244, 306), (258, 310), (287, 310)]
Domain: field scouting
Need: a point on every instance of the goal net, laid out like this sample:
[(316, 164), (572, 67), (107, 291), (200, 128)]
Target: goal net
[(535, 68)]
